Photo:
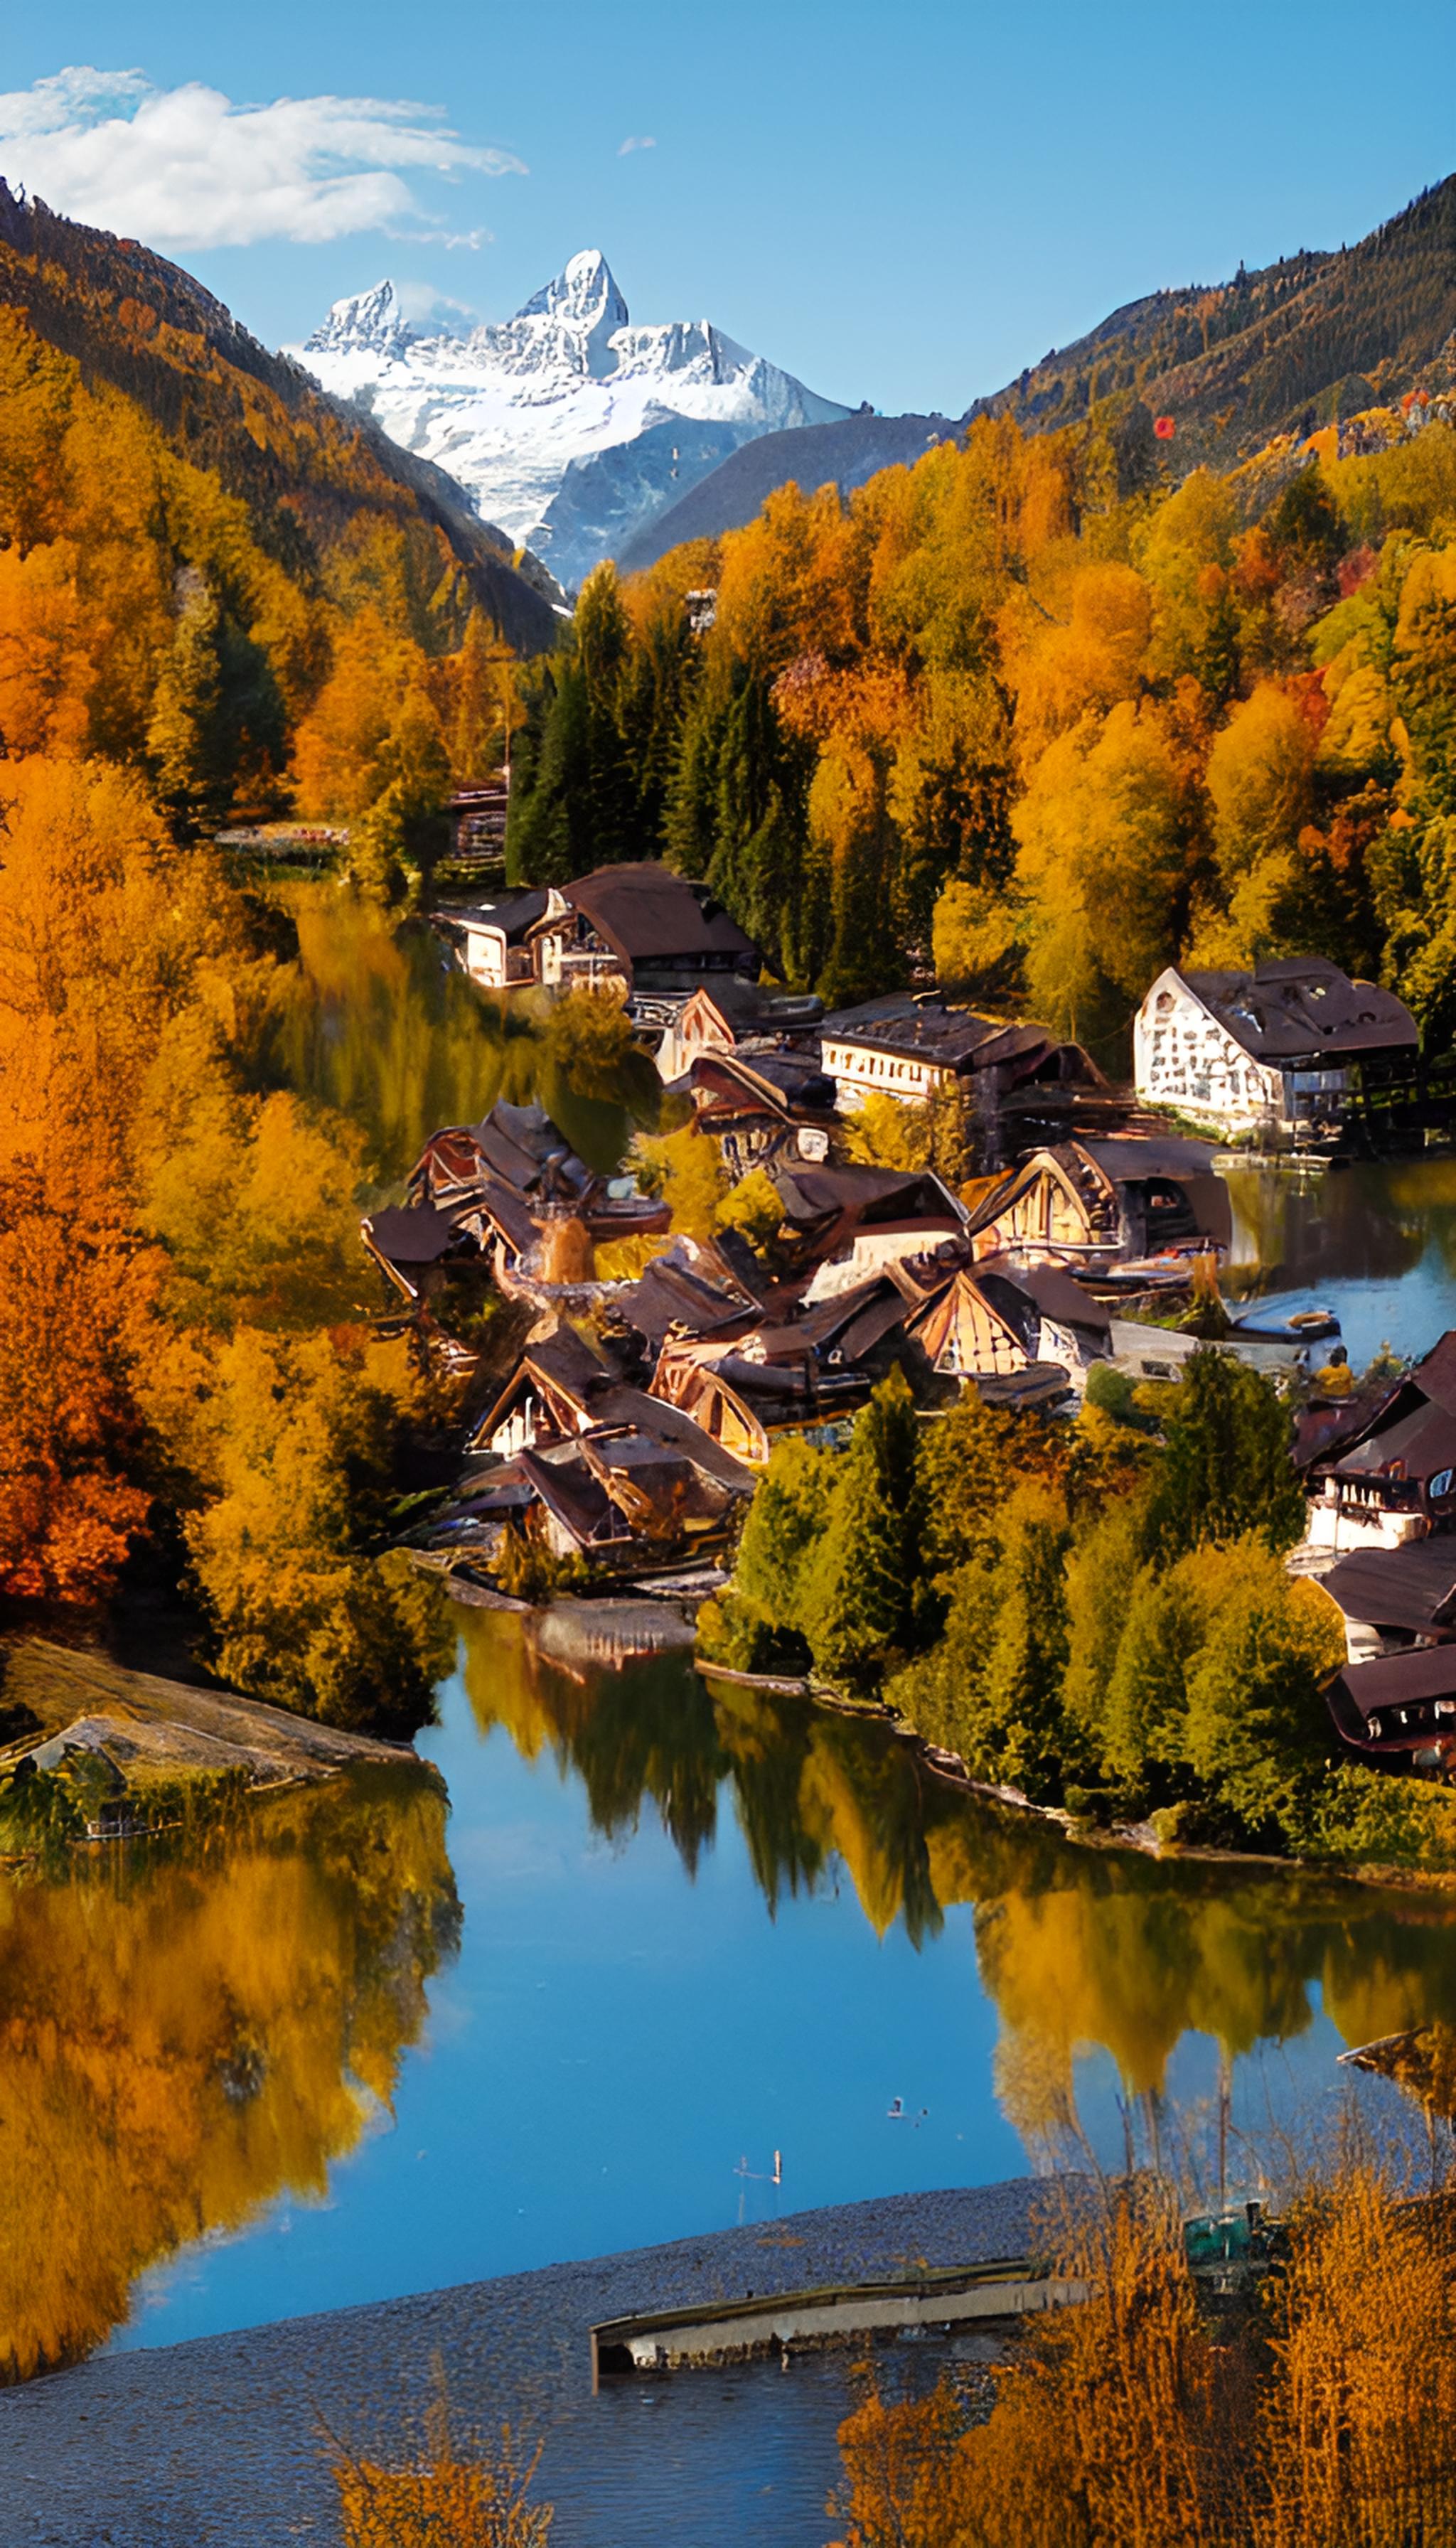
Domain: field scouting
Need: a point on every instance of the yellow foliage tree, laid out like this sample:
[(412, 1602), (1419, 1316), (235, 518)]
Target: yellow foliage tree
[(1101, 830)]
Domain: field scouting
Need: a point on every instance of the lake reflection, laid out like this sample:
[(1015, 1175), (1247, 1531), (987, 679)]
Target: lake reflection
[(700, 1924), (378, 1024), (1374, 1242), (184, 2037)]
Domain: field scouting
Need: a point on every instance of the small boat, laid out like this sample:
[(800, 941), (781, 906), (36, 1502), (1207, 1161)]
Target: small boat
[(1289, 1328)]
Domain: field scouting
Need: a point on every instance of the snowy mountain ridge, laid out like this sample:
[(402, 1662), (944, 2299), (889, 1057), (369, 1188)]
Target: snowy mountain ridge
[(567, 425)]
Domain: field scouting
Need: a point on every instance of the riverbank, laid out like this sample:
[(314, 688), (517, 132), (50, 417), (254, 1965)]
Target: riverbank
[(116, 1752), (221, 2441)]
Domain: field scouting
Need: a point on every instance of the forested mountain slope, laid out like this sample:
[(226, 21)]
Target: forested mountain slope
[(1318, 336), (312, 474), (998, 715), (843, 455)]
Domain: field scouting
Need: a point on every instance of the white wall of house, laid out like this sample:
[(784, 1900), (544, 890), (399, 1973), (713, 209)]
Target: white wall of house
[(1185, 1060), (1347, 1520), (865, 1070), (484, 956)]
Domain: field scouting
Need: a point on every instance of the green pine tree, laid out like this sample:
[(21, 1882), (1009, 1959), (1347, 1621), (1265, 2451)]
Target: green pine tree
[(1226, 1468), (866, 1599)]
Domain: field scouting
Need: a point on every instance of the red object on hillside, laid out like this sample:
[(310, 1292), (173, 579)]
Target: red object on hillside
[(1163, 427)]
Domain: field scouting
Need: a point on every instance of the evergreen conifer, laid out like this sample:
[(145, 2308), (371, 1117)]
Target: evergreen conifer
[(867, 1598)]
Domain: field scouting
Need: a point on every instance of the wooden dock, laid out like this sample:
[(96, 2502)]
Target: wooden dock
[(740, 2330)]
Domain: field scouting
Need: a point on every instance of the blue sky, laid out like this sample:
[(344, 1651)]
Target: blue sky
[(904, 203)]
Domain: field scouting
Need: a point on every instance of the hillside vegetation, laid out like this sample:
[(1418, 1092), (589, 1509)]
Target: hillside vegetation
[(1315, 337), (219, 597), (997, 716)]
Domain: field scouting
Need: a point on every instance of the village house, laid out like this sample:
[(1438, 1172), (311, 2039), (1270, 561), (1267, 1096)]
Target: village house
[(1280, 1050), (1094, 1205), (909, 1045), (850, 1222), (761, 1106), (1057, 1318), (1398, 1711), (493, 939), (1397, 1597), (657, 934), (733, 1015), (518, 1150), (1395, 1480), (642, 1480)]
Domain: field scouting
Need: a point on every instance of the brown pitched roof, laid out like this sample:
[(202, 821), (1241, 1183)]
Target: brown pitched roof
[(673, 1429), (1299, 1009), (648, 915), (415, 1235), (1398, 1587), (1394, 1686), (668, 1294), (1055, 1292)]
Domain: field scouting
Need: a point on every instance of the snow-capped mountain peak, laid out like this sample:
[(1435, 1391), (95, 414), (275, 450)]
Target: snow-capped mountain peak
[(581, 295), (569, 425), (367, 323)]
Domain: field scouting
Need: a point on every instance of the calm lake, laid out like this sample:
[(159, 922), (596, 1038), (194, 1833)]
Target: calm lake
[(651, 1932)]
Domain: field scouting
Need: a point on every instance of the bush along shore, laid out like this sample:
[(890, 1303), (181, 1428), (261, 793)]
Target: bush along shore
[(1097, 1616)]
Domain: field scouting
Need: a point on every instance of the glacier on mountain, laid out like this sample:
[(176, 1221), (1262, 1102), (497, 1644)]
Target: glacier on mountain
[(570, 426)]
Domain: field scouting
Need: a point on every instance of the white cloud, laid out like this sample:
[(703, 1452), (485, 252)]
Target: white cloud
[(422, 301), (186, 168), (637, 142)]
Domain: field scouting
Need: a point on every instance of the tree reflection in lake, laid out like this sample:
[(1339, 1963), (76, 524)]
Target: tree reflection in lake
[(1376, 1243), (1077, 1947), (381, 1027), (187, 2035)]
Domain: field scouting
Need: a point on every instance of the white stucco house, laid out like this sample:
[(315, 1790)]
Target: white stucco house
[(1274, 1050)]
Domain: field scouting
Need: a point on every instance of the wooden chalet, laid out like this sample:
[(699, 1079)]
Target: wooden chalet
[(640, 1474), (549, 1396), (966, 1336), (763, 1106), (1056, 1318), (1395, 1478), (517, 1154), (732, 1014), (656, 932), (493, 940), (909, 1044), (1093, 1204), (848, 1223), (1398, 1711)]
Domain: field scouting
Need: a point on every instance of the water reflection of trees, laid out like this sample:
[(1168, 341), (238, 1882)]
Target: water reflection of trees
[(1077, 1947), (808, 1787), (1368, 1223), (185, 2037), (377, 1026)]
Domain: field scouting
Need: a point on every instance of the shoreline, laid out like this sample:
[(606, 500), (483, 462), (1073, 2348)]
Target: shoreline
[(219, 2438), (951, 1772)]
